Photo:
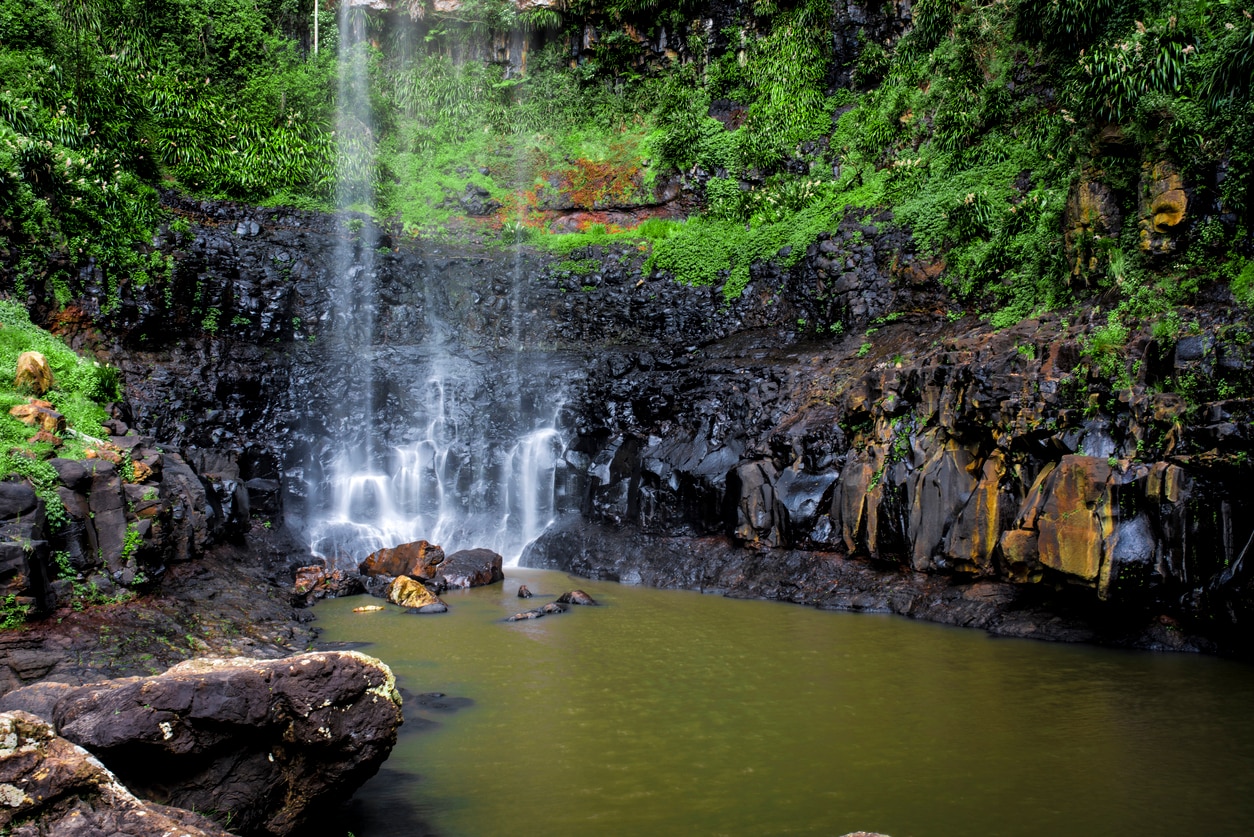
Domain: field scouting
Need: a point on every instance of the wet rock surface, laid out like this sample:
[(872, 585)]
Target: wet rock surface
[(576, 597), (471, 568), (832, 581)]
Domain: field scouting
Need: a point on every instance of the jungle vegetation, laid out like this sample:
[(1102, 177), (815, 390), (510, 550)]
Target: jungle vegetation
[(972, 122)]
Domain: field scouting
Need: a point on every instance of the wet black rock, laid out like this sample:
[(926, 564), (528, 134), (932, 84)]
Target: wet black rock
[(576, 597)]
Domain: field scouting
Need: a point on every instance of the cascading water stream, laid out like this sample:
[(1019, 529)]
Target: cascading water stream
[(426, 439)]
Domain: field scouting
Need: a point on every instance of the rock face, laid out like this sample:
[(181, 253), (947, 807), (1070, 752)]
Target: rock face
[(840, 406), (50, 787), (128, 511), (267, 743)]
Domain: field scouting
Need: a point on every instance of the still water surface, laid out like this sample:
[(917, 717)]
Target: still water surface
[(667, 712)]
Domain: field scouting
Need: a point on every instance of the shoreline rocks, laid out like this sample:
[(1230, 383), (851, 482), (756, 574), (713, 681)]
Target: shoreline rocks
[(268, 744), (51, 786)]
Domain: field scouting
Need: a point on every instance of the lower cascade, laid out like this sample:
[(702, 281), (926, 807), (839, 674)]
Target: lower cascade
[(501, 497)]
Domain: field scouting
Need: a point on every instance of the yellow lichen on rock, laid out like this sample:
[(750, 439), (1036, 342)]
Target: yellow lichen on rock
[(33, 372), (406, 592), (1164, 205)]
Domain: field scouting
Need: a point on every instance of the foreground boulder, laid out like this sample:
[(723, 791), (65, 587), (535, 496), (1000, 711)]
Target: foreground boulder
[(576, 597), (268, 743), (50, 786), (471, 568)]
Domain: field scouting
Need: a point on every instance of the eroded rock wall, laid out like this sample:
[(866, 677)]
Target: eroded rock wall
[(842, 405)]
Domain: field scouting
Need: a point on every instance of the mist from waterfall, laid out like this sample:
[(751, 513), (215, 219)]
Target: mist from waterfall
[(422, 441)]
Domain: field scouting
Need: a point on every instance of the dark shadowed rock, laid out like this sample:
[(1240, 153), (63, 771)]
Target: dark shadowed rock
[(50, 787), (271, 743), (523, 592), (576, 597), (472, 568), (434, 607), (39, 699), (419, 559)]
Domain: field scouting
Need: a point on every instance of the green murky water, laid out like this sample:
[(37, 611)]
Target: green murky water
[(675, 713)]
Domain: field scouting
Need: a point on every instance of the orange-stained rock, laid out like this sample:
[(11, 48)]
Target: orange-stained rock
[(1091, 214), (317, 582), (1166, 483), (33, 372), (103, 453), (406, 592), (140, 472), (1077, 517), (856, 502), (419, 559), (39, 414), (1019, 551), (1036, 497), (975, 532), (44, 437)]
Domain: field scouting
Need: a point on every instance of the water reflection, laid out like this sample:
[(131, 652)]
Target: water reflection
[(678, 713)]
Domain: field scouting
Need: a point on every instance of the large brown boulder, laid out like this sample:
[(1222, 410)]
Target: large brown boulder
[(472, 568), (50, 787), (267, 743), (419, 559)]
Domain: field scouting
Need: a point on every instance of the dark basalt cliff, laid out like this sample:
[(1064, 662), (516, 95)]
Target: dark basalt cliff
[(836, 436)]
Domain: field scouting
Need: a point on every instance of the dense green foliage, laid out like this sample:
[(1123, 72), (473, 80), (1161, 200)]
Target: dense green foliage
[(103, 100), (973, 128), (80, 389)]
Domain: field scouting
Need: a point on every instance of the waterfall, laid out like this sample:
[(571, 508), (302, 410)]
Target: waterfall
[(417, 438)]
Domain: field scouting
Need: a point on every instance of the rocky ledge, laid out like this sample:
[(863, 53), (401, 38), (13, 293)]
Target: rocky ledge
[(266, 746)]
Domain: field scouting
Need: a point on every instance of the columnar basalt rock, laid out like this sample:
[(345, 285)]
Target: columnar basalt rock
[(840, 405)]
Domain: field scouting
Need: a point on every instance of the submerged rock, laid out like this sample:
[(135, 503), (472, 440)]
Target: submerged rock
[(576, 597), (267, 743), (523, 592), (537, 612), (50, 786), (434, 607)]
